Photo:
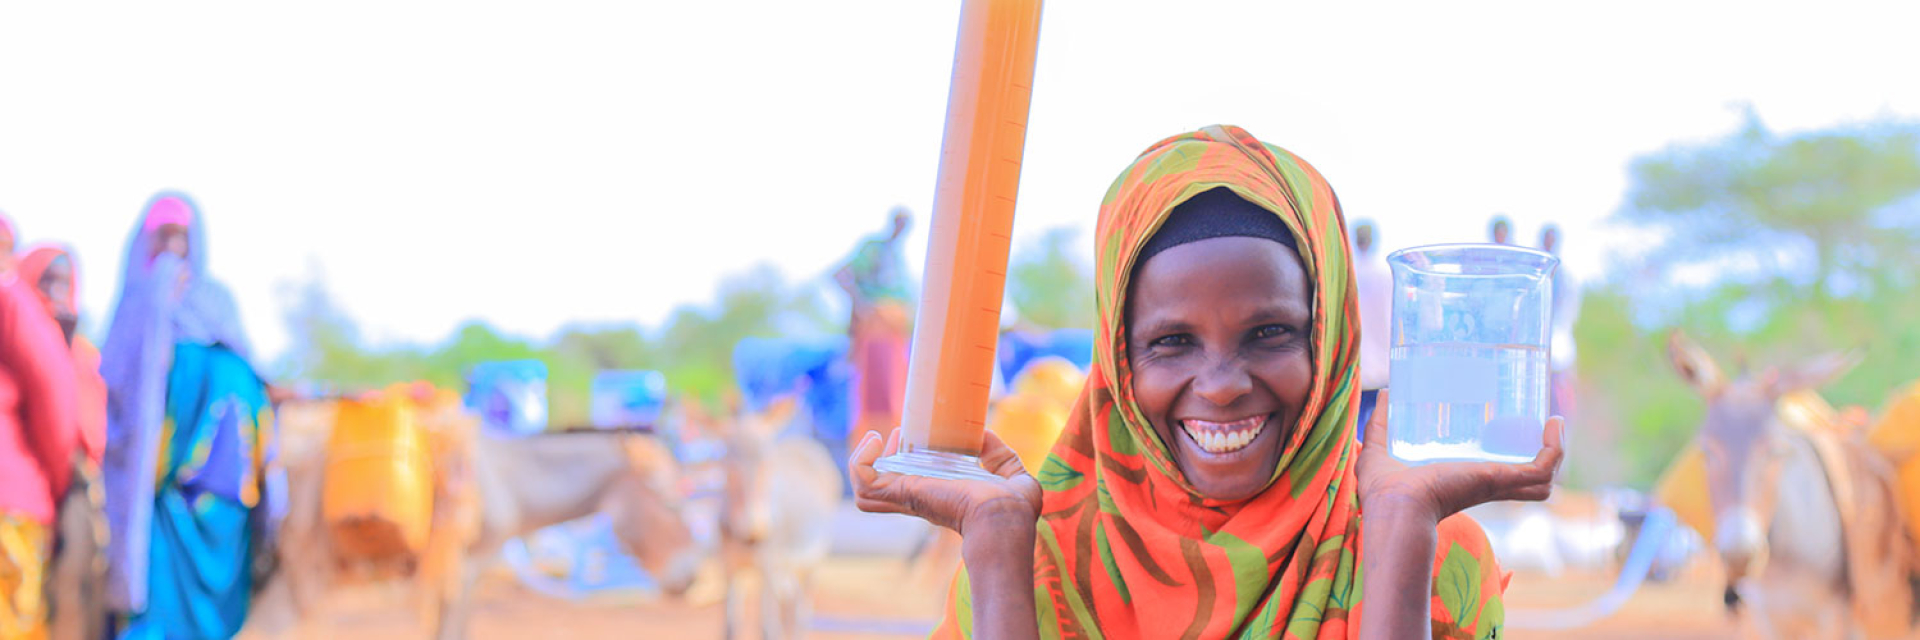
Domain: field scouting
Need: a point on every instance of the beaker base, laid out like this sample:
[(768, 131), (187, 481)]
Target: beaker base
[(1417, 454), (935, 464)]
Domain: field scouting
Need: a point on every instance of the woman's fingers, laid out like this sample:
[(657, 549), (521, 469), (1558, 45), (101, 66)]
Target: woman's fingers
[(1552, 453), (882, 492), (1374, 432), (865, 452), (877, 492), (893, 441), (1533, 481), (998, 458), (875, 506), (861, 462)]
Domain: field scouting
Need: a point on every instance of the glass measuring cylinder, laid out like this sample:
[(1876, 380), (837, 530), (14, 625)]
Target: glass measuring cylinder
[(958, 324)]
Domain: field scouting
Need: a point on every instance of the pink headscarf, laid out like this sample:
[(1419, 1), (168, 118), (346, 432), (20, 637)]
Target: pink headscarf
[(168, 210)]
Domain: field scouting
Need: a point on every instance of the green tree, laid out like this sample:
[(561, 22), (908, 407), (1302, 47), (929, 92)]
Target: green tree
[(697, 342), (327, 348), (1049, 286), (1755, 194), (694, 348), (606, 347)]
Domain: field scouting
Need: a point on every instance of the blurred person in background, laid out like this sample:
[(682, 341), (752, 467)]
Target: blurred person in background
[(55, 276), (881, 297), (1374, 283), (1561, 352), (1501, 230), (38, 436), (191, 482), (75, 574)]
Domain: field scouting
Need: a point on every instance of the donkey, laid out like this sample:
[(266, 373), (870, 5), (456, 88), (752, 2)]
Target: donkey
[(499, 489), (526, 484), (1807, 525), (776, 519)]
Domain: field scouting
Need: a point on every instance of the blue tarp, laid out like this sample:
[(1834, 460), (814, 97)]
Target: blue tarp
[(817, 368), (767, 368), (1019, 348), (510, 396), (586, 551), (627, 398)]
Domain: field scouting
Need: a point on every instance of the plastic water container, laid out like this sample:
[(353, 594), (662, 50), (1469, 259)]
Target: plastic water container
[(627, 399), (1468, 375), (510, 396)]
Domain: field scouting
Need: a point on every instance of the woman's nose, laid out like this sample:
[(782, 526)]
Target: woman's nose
[(1223, 381)]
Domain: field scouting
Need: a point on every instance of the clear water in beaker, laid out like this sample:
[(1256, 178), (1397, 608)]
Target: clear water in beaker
[(1468, 364)]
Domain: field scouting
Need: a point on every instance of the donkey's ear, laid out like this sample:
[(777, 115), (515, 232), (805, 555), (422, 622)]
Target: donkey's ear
[(778, 415), (1815, 373), (1694, 365), (733, 402), (769, 422)]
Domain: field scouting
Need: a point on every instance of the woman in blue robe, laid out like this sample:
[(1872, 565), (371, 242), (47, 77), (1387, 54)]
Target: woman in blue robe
[(192, 485)]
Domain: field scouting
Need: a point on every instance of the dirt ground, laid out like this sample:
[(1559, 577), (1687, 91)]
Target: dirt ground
[(876, 598), (864, 598), (1688, 608)]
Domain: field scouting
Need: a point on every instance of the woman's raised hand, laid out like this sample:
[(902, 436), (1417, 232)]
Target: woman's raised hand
[(1445, 488), (954, 504)]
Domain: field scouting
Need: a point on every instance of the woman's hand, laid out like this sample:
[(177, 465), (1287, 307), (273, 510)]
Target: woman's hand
[(954, 504), (1400, 507), (1444, 488), (999, 564)]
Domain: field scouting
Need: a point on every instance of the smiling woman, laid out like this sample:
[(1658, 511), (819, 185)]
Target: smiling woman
[(1209, 483)]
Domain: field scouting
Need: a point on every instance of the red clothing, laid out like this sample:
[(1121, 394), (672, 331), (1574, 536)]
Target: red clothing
[(879, 346), (38, 421), (92, 388)]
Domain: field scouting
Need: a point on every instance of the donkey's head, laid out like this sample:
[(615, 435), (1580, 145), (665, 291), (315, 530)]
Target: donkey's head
[(1744, 443), (648, 516), (748, 510)]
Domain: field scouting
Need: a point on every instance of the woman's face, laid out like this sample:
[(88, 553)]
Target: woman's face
[(1218, 337), (171, 238), (57, 282)]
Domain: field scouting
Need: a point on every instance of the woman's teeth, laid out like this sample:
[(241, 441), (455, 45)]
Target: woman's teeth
[(1224, 437)]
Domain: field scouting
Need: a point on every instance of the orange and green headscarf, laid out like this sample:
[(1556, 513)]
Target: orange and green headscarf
[(1127, 548)]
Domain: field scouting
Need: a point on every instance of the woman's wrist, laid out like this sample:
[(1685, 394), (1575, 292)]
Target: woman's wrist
[(1400, 507), (998, 553), (1399, 536), (998, 513), (998, 532)]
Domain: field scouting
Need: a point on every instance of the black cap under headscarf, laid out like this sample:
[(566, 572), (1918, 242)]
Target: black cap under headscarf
[(1215, 213)]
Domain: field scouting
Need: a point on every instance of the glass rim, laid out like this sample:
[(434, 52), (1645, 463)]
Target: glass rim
[(1541, 261)]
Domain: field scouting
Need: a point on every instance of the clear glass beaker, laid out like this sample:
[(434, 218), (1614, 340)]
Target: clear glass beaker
[(1468, 374)]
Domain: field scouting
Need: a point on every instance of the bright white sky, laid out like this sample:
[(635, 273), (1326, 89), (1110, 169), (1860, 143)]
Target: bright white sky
[(534, 164)]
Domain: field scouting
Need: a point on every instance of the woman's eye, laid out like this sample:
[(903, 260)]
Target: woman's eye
[(1269, 331), (1175, 340)]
